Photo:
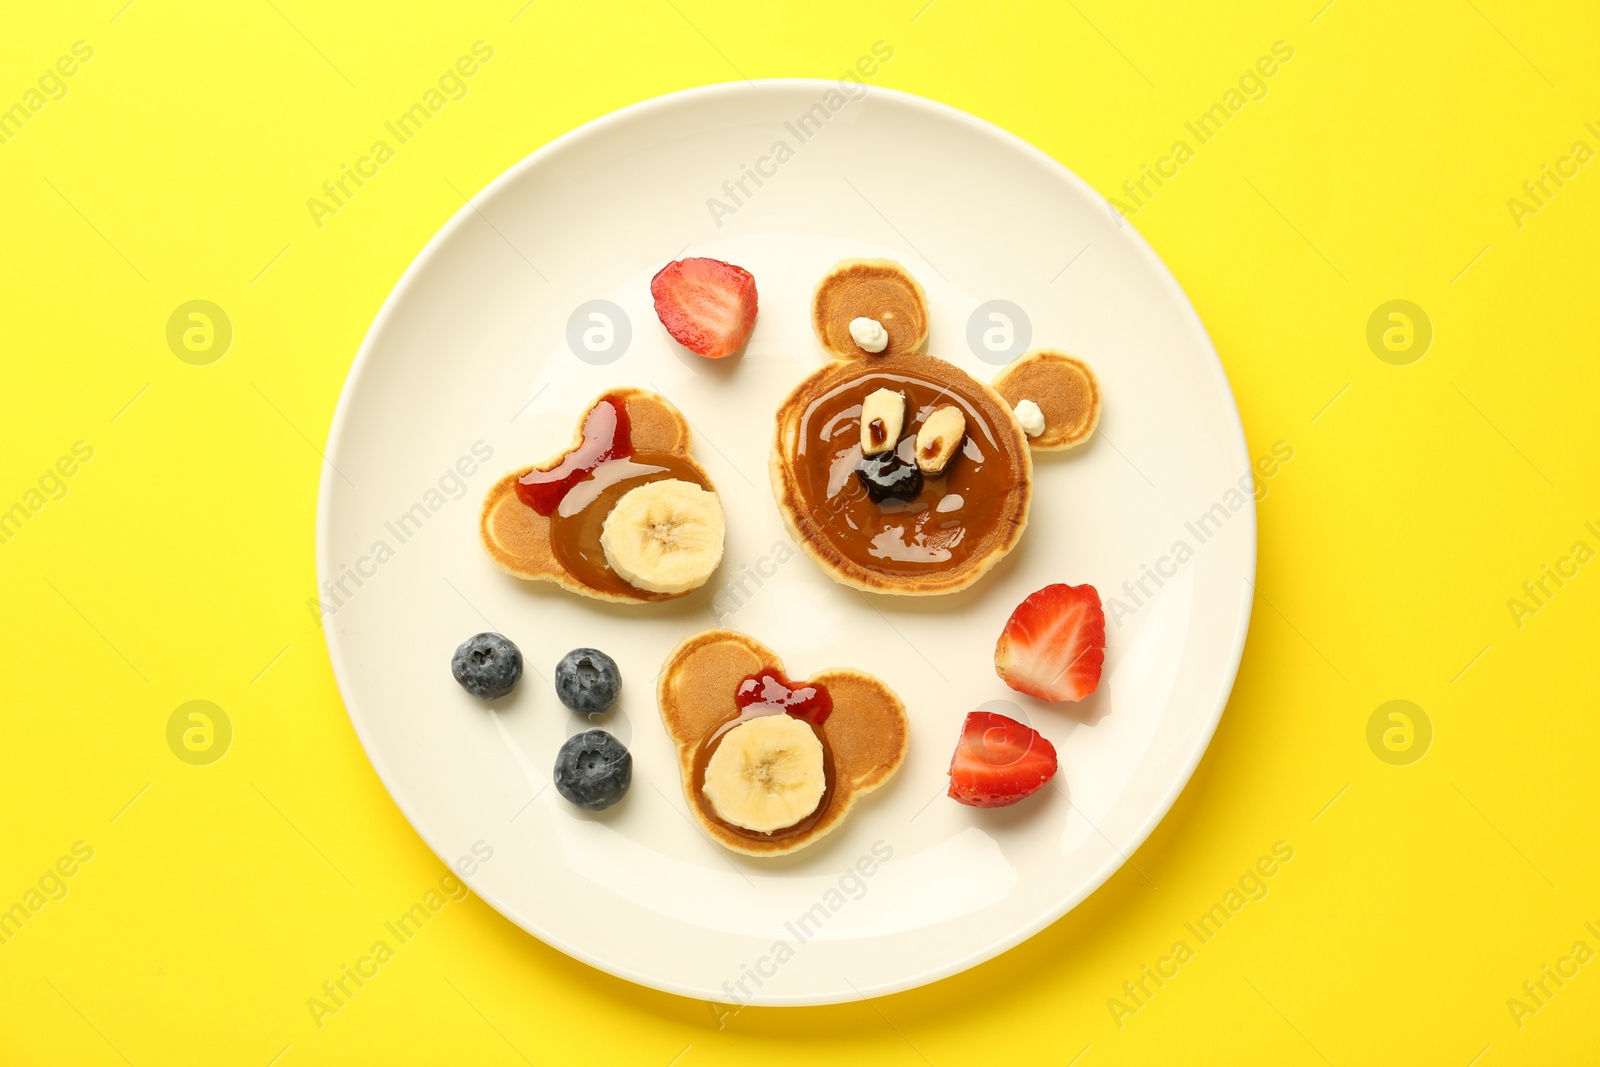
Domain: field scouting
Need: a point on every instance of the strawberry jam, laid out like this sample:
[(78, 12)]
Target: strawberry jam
[(770, 689), (606, 436)]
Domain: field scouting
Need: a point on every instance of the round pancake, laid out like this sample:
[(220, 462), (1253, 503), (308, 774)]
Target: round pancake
[(517, 537), (1065, 389), (866, 731), (875, 289), (808, 521)]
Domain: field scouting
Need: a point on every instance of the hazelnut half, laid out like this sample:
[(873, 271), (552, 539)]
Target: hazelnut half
[(883, 414), (939, 437)]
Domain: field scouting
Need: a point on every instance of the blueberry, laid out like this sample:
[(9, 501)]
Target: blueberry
[(593, 770), (587, 680), (487, 666), (888, 477)]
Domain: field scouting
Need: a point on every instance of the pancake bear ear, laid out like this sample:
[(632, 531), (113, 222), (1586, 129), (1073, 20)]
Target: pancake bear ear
[(1056, 399), (866, 308)]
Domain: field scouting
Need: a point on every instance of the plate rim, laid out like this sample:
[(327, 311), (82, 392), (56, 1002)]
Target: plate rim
[(361, 365)]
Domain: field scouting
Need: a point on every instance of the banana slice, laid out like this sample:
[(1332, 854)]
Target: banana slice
[(766, 774), (664, 537)]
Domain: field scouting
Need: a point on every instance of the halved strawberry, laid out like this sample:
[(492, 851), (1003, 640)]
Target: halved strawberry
[(708, 306), (999, 761), (1054, 644)]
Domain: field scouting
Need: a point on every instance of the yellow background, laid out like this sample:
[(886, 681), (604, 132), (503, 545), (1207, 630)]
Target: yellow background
[(178, 564)]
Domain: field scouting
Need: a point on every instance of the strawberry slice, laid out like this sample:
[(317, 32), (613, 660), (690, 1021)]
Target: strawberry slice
[(708, 306), (1054, 644), (999, 761)]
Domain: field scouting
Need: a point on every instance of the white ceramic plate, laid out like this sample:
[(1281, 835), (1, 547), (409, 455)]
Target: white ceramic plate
[(468, 372)]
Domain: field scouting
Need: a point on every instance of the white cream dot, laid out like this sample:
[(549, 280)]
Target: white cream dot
[(1030, 418), (869, 334)]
